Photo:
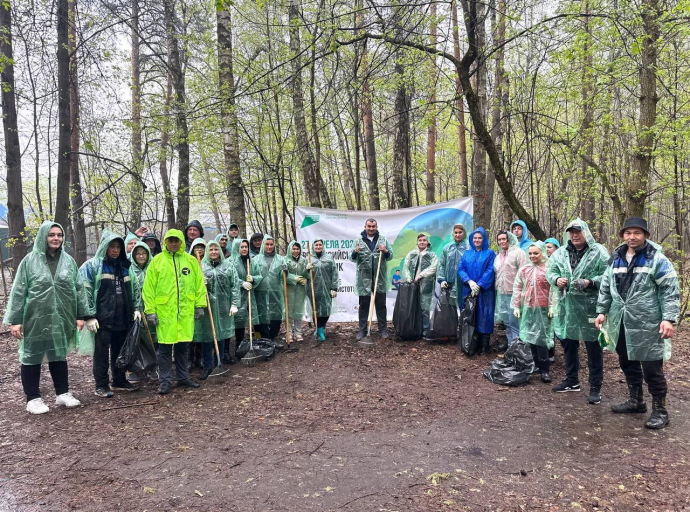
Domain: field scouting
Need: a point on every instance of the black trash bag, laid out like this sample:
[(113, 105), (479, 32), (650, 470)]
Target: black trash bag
[(137, 354), (516, 367), (407, 314), (264, 347), (444, 317), (467, 337)]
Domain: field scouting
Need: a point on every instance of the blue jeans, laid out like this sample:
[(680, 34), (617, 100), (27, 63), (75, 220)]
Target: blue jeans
[(425, 321), (209, 352), (509, 319)]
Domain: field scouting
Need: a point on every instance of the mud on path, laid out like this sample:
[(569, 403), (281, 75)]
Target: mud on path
[(402, 426)]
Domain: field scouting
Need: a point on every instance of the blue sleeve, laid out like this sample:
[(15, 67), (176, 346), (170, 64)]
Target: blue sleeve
[(462, 272), (487, 280)]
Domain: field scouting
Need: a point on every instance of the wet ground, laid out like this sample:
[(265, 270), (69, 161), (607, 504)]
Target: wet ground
[(410, 426)]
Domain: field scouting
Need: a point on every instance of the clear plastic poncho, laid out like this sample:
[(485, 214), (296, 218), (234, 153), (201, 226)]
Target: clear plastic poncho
[(367, 261), (506, 266), (296, 293), (428, 264), (326, 279), (652, 297), (449, 262), (242, 316), (140, 275), (269, 293), (47, 307)]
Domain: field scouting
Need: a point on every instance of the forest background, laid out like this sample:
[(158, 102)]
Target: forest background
[(126, 112)]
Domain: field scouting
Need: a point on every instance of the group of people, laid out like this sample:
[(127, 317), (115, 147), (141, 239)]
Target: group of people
[(189, 292)]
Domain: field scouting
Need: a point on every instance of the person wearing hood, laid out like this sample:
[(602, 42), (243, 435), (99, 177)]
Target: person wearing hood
[(196, 355), (255, 243), (114, 302), (506, 265), (476, 272), (326, 280), (233, 233), (223, 290), (243, 262), (638, 305), (130, 241), (153, 243), (519, 229), (576, 270), (296, 293), (46, 308), (531, 302), (193, 231), (367, 249), (174, 296), (420, 266), (551, 245), (450, 259), (225, 244)]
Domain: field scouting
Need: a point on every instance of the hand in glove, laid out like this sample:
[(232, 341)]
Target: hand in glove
[(152, 319), (233, 310), (551, 313), (199, 313), (474, 287), (309, 266), (516, 312), (444, 285), (137, 316), (250, 279), (205, 281), (578, 284), (334, 294), (247, 286), (301, 280), (92, 325)]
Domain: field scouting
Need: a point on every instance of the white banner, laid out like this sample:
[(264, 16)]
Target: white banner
[(340, 228)]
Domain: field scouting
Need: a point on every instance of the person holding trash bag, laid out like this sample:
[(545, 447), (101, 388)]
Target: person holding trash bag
[(47, 306), (476, 272), (576, 269), (223, 289), (174, 296), (326, 280), (639, 302), (420, 266), (531, 305), (114, 302), (519, 229), (240, 256), (506, 265), (450, 260), (296, 293), (365, 253)]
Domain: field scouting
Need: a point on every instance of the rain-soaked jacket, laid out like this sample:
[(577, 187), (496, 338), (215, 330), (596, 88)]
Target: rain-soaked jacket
[(47, 307), (269, 293), (223, 291), (426, 263), (575, 310), (525, 242), (173, 288), (242, 316), (532, 296), (506, 266), (130, 236), (297, 293), (449, 262), (326, 280), (227, 252), (187, 241), (140, 274), (652, 297), (478, 266), (367, 261)]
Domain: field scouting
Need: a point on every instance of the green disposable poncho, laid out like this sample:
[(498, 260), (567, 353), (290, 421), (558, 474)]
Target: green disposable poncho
[(242, 316), (269, 293), (427, 262), (506, 266), (652, 297), (222, 286), (130, 236), (449, 262), (532, 296), (325, 273), (47, 307), (297, 293), (366, 261), (173, 288), (575, 310), (140, 274)]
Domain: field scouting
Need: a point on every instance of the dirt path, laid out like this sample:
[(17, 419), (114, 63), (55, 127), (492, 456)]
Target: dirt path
[(402, 426)]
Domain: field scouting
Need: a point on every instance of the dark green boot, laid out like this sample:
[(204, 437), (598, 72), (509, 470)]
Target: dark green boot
[(659, 417), (634, 404)]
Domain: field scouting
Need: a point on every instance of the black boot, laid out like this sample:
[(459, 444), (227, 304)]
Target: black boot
[(659, 417), (634, 404), (486, 343)]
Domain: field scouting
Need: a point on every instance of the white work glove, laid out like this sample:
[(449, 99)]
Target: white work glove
[(301, 280), (444, 285), (551, 313), (516, 312), (205, 281), (334, 294), (309, 266), (92, 325), (247, 286), (250, 279), (233, 310), (474, 287), (137, 316)]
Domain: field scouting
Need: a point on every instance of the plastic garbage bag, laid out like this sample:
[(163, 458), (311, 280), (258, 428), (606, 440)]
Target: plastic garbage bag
[(407, 315), (516, 367), (444, 317), (264, 347), (467, 337), (137, 353)]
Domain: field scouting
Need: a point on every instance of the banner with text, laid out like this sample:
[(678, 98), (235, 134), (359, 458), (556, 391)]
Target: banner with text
[(340, 229)]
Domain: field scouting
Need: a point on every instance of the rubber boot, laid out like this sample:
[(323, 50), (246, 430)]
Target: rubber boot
[(321, 334), (634, 404), (486, 343), (363, 317), (659, 417)]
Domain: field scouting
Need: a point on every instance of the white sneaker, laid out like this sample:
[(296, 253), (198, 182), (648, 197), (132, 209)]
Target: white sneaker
[(36, 406), (67, 400)]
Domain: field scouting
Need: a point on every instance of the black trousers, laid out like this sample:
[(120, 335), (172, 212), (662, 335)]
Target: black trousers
[(31, 378), (595, 361), (379, 305), (271, 329), (635, 371), (321, 321), (108, 346), (540, 354)]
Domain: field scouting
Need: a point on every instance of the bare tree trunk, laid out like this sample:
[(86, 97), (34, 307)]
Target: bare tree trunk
[(137, 190), (401, 146), (431, 132), (462, 144), (588, 118), (208, 182), (499, 35), (15, 204), (163, 155), (482, 217), (64, 116)]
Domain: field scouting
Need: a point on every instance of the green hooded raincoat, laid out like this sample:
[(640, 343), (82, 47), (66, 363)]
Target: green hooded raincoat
[(428, 264), (297, 293), (269, 292), (242, 316), (325, 273)]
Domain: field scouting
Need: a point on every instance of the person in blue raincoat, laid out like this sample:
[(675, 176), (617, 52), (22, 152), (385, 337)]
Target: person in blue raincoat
[(519, 229), (476, 272)]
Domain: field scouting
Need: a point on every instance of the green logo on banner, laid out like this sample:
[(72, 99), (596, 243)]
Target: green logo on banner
[(310, 220)]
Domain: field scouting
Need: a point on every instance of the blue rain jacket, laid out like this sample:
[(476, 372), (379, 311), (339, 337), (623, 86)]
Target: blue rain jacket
[(525, 242), (478, 266)]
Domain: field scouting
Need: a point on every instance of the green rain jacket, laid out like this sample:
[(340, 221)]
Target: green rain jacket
[(269, 292), (325, 273), (428, 264), (47, 307), (130, 236), (222, 286), (367, 261), (575, 311), (136, 270), (297, 293), (173, 288), (449, 263), (506, 266), (653, 296), (242, 316)]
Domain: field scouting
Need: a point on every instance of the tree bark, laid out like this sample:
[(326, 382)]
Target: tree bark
[(401, 146), (587, 118), (462, 144), (62, 196), (163, 154), (480, 178), (137, 190), (431, 132)]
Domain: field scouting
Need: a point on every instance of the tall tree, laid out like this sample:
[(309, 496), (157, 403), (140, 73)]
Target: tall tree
[(163, 152), (460, 107), (62, 196), (137, 190), (431, 131), (588, 114)]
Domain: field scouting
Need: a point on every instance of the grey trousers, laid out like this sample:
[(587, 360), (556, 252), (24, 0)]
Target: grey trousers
[(165, 358)]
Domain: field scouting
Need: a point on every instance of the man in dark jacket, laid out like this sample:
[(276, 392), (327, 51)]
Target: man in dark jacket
[(153, 243), (193, 231)]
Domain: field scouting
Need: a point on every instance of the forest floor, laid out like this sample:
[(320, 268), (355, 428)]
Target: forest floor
[(406, 426)]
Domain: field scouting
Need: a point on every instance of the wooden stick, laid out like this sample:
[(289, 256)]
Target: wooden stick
[(311, 279), (2, 271), (287, 311), (210, 315), (249, 309), (373, 299)]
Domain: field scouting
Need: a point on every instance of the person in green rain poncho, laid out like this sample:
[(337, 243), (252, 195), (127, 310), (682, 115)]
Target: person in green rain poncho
[(420, 266), (297, 293), (326, 280), (269, 292), (223, 289), (130, 241), (531, 302), (639, 302), (196, 357), (508, 261), (450, 260), (576, 270), (241, 255), (46, 307)]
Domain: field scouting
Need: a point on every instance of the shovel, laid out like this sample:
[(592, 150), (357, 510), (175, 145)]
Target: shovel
[(367, 339), (313, 296), (219, 369), (288, 339)]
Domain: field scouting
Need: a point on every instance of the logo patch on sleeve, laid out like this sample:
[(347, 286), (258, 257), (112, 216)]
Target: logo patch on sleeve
[(185, 271)]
